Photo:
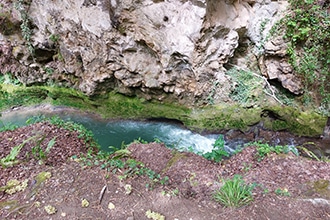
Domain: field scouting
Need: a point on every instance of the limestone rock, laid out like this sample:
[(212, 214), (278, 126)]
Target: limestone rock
[(153, 49)]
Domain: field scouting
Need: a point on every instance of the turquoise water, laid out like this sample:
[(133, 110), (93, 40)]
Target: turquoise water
[(115, 133)]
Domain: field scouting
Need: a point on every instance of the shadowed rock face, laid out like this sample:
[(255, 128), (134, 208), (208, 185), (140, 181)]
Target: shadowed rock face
[(153, 49)]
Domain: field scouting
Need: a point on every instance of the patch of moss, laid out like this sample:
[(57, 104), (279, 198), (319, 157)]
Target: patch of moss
[(307, 123), (69, 97), (154, 215), (14, 186), (19, 95), (224, 117), (321, 187), (42, 177), (115, 105), (211, 118)]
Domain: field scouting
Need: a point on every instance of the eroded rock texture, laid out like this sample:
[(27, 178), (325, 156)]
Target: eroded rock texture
[(151, 48)]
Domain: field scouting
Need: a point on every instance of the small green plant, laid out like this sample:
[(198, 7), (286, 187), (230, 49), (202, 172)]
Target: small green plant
[(140, 141), (119, 162), (282, 192), (49, 70), (26, 25), (37, 150), (264, 38), (7, 127), (54, 38), (174, 192), (157, 140), (154, 215), (9, 78), (247, 86), (218, 152), (309, 153), (50, 145), (247, 167), (38, 153), (264, 149), (35, 119), (234, 192), (210, 97), (10, 159)]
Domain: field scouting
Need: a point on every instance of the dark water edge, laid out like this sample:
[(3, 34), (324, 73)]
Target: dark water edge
[(177, 136)]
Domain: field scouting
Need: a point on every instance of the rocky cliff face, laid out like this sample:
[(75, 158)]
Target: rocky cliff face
[(156, 49)]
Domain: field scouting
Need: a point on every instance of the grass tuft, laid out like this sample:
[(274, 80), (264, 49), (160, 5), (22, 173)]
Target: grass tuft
[(234, 192)]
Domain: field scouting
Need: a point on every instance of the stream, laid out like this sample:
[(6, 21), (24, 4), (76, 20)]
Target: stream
[(115, 133)]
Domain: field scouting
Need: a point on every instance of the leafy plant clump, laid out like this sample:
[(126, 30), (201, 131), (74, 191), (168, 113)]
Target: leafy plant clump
[(282, 192), (247, 86), (10, 159), (218, 152), (8, 78), (307, 30), (264, 149), (235, 192)]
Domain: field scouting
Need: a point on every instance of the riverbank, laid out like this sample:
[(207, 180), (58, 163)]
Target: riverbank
[(213, 118), (57, 187), (113, 132)]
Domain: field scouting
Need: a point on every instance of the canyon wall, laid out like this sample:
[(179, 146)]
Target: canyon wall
[(154, 49)]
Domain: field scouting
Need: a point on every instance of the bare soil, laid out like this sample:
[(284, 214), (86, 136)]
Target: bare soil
[(288, 186)]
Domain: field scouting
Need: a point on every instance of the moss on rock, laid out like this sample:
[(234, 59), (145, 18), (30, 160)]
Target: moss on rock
[(301, 123), (211, 118)]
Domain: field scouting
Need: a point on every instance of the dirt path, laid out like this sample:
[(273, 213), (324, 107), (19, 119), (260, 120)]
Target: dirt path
[(288, 187)]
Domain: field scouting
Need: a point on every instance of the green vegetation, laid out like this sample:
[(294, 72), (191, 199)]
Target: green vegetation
[(310, 154), (10, 159), (282, 192), (7, 127), (307, 30), (210, 98), (117, 106), (154, 215), (9, 79), (248, 86), (38, 152), (265, 149), (307, 123), (218, 152), (119, 161), (251, 89), (234, 192), (84, 133), (26, 24), (54, 38)]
